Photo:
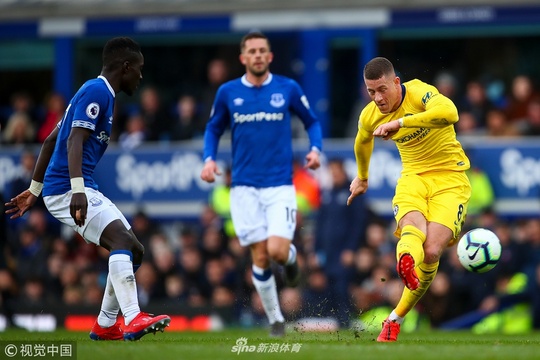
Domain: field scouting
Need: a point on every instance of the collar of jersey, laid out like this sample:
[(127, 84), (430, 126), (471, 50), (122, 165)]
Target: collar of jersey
[(248, 84), (108, 85)]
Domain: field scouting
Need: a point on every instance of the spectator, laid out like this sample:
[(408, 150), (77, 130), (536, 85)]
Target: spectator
[(21, 182), (19, 130), (135, 133), (522, 92), (55, 110), (339, 231), (530, 126), (187, 123), (497, 124), (155, 117), (147, 283), (31, 255), (467, 124), (447, 85), (34, 293), (482, 195), (175, 288), (221, 203), (217, 73), (476, 102)]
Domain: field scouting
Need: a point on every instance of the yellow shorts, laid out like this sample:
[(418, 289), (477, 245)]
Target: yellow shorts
[(442, 196)]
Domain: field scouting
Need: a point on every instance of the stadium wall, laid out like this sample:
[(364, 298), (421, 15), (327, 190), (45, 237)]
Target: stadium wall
[(165, 182)]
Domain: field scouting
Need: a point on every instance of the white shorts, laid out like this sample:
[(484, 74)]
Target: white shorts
[(101, 212), (258, 213)]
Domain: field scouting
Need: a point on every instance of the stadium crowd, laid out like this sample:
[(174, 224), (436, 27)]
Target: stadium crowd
[(202, 263)]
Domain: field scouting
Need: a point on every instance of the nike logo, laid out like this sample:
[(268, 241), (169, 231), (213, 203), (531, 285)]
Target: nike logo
[(474, 255)]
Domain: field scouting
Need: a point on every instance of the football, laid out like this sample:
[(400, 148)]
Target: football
[(479, 250)]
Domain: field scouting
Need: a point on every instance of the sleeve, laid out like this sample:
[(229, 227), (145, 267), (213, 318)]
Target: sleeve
[(89, 108), (439, 112), (219, 119), (300, 106), (363, 148)]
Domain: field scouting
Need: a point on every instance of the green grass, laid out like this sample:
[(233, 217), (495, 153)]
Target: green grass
[(432, 345)]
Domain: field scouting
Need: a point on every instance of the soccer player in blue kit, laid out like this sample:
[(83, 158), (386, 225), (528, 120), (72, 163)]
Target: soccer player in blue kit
[(63, 174), (257, 107)]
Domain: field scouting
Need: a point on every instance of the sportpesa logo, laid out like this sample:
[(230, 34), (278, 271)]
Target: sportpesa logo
[(260, 116)]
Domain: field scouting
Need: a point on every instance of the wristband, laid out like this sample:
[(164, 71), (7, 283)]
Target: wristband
[(77, 185), (35, 188), (316, 149), (400, 121)]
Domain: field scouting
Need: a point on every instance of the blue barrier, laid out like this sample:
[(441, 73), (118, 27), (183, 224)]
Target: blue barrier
[(164, 179)]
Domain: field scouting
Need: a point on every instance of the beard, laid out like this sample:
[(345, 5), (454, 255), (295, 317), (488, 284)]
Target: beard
[(258, 72)]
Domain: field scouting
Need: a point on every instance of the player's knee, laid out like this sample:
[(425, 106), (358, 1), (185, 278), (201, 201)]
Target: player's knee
[(278, 253), (138, 252), (261, 260), (432, 253)]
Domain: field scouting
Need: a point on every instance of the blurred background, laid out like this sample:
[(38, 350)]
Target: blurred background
[(484, 55)]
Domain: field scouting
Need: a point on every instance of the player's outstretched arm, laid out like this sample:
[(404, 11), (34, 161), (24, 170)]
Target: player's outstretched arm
[(357, 187), (20, 204), (209, 171)]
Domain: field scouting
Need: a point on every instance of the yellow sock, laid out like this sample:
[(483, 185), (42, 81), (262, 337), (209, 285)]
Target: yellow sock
[(412, 242), (426, 273)]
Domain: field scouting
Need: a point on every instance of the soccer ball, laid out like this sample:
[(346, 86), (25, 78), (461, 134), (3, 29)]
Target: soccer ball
[(479, 250)]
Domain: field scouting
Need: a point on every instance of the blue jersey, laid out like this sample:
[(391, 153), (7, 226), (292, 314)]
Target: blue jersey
[(91, 108), (260, 123)]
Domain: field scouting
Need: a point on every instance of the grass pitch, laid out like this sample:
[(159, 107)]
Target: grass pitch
[(432, 345)]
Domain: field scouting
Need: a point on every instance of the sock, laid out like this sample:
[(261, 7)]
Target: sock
[(109, 306), (412, 242), (265, 284), (292, 255), (123, 282), (426, 273), (395, 317)]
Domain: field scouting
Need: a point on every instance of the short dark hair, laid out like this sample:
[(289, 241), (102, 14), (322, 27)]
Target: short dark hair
[(252, 35), (377, 68), (119, 49)]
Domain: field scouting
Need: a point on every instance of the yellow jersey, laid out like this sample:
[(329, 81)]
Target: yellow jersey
[(426, 142)]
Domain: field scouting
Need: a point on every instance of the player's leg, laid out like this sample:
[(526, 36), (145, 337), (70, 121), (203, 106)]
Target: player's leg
[(438, 238), (265, 284), (447, 212), (250, 224), (281, 212), (126, 254), (410, 206)]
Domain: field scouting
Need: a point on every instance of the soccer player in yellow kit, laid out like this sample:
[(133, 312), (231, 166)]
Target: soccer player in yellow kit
[(430, 203)]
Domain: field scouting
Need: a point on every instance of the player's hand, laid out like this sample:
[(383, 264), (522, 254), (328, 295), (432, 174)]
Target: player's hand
[(386, 131), (209, 171), (78, 208), (20, 204), (313, 160), (358, 187)]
